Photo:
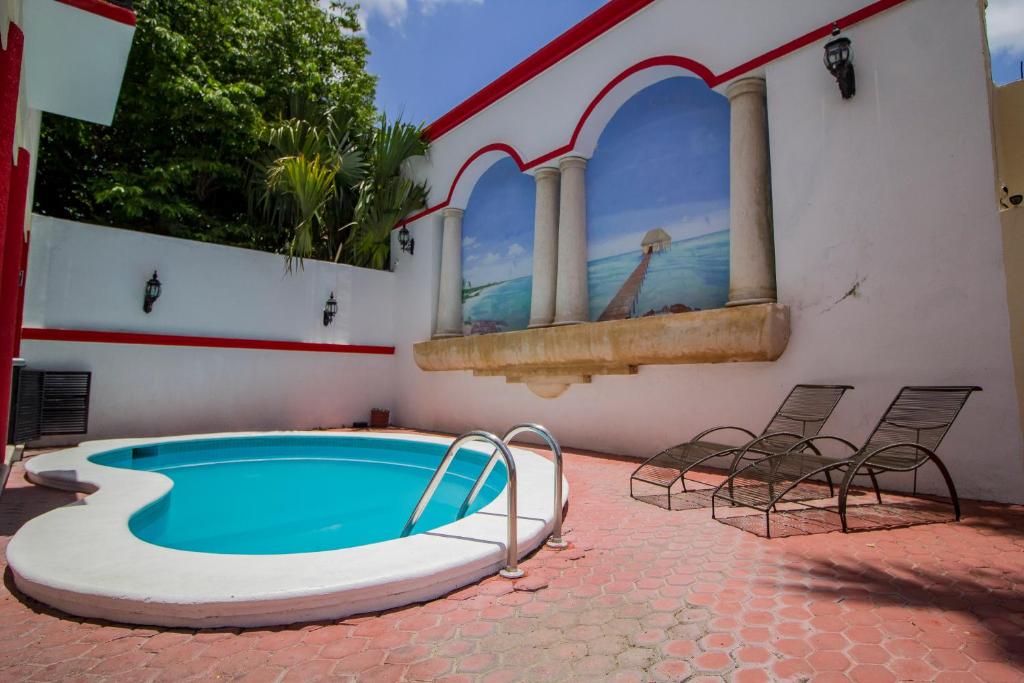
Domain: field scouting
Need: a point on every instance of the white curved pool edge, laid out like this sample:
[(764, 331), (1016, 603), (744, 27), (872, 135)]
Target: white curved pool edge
[(84, 560)]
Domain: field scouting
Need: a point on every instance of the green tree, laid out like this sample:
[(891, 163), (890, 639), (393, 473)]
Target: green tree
[(204, 79), (304, 185), (336, 197), (385, 195)]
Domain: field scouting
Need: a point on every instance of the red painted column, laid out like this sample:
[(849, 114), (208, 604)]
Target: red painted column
[(10, 85), (13, 188), (10, 268)]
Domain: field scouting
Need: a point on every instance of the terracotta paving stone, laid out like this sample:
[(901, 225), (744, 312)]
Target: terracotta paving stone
[(642, 594)]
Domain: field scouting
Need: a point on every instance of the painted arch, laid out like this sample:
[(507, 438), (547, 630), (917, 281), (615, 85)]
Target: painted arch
[(497, 250), (658, 203)]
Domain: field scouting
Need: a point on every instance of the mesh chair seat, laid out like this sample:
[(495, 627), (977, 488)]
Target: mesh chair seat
[(666, 467), (758, 485)]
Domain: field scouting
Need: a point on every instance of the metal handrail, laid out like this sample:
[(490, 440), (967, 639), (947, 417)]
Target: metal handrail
[(511, 570), (555, 541)]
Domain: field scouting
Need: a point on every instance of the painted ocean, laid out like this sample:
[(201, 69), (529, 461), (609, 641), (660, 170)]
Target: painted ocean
[(694, 273), (500, 307)]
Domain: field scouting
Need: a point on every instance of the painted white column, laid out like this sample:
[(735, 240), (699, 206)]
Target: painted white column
[(571, 292), (751, 242), (545, 248), (449, 294)]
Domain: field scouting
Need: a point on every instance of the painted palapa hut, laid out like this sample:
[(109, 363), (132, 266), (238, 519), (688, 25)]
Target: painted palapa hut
[(655, 240)]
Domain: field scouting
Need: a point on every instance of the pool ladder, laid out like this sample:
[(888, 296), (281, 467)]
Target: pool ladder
[(511, 570)]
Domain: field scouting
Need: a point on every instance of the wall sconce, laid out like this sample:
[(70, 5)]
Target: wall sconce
[(330, 310), (839, 62), (152, 293), (405, 240)]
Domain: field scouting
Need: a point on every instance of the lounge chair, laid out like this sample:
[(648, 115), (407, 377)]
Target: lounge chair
[(904, 439), (801, 415)]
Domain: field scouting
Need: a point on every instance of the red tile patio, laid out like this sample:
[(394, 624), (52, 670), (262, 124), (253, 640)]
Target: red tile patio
[(643, 594)]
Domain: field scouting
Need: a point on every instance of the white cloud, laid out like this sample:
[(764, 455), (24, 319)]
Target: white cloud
[(469, 242), (515, 250), (391, 12), (430, 6), (394, 12), (1005, 20)]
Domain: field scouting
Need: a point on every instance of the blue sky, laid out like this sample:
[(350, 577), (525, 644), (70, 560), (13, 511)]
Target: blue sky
[(1006, 38), (432, 54)]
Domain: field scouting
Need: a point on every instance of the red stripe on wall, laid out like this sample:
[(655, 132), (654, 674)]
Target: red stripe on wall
[(521, 74), (607, 17), (101, 337), (107, 10)]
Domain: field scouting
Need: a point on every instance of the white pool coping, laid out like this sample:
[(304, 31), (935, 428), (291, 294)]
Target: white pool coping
[(84, 560)]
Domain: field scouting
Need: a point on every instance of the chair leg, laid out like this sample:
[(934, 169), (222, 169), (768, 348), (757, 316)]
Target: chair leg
[(713, 506), (831, 488), (844, 491), (949, 483), (874, 482), (767, 524)]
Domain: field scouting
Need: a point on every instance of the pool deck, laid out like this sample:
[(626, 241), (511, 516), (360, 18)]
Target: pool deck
[(642, 594)]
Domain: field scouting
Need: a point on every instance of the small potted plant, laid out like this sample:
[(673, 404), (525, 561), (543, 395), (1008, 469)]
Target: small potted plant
[(380, 418)]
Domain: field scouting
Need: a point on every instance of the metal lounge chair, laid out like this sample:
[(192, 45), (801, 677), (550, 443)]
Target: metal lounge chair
[(904, 439), (801, 415)]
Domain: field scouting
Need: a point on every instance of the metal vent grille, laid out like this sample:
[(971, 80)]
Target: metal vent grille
[(65, 405), (28, 399), (50, 403)]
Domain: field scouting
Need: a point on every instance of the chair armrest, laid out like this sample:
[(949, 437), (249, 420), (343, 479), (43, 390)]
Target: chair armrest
[(723, 428), (810, 441)]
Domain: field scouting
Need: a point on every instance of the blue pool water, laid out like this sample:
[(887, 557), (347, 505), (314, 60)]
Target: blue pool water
[(294, 494)]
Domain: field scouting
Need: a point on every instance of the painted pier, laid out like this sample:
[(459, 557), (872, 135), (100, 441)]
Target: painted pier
[(622, 304)]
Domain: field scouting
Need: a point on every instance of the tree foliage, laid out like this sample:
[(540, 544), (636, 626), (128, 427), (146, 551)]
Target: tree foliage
[(206, 81), (337, 194), (304, 185)]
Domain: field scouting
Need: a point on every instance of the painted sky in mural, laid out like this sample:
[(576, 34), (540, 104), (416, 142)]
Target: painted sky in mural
[(497, 250), (661, 165)]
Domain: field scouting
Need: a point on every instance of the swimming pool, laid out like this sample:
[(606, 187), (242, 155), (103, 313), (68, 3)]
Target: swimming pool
[(268, 528), (293, 494)]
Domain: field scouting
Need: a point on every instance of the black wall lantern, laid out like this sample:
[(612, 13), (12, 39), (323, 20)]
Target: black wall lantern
[(839, 62), (152, 293), (405, 240), (330, 310)]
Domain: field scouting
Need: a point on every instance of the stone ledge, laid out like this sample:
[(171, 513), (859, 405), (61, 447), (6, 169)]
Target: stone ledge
[(548, 359)]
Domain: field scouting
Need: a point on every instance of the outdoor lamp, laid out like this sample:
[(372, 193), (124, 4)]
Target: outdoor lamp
[(152, 293), (330, 310), (839, 62), (405, 240)]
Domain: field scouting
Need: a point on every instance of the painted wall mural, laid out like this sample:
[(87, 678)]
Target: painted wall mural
[(658, 204), (497, 251)]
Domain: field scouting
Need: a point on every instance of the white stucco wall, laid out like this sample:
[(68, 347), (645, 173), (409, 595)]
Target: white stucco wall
[(890, 191), (84, 277)]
